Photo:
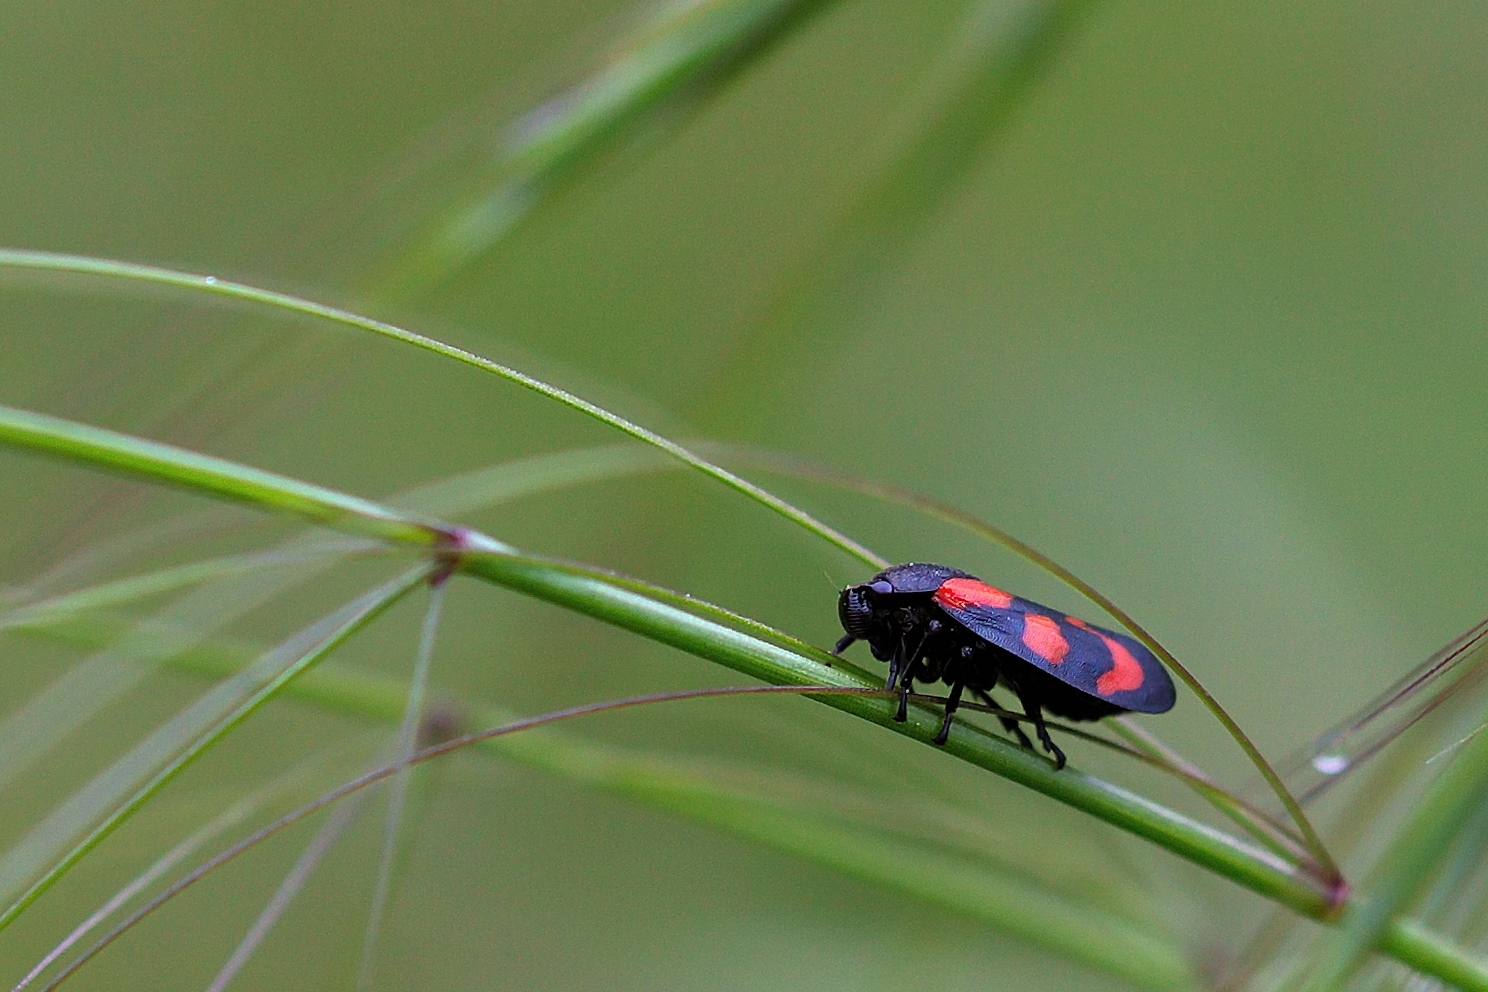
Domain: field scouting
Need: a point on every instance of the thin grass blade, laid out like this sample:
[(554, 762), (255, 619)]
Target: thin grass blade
[(167, 464), (1456, 668), (684, 50), (404, 749), (295, 780), (1446, 808), (1405, 939), (182, 737), (341, 818)]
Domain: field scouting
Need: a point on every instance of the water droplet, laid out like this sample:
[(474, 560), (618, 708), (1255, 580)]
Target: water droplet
[(1330, 764)]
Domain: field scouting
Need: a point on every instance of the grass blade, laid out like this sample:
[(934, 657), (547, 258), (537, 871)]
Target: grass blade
[(297, 779), (162, 463), (407, 744), (81, 807), (680, 46), (260, 488), (1113, 944), (1447, 806), (294, 880)]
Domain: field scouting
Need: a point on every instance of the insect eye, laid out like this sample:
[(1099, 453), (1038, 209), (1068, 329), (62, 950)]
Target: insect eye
[(882, 587), (855, 612)]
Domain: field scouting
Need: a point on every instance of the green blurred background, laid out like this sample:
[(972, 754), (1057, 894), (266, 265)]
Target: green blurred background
[(1204, 320)]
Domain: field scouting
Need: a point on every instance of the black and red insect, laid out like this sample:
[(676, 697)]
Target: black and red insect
[(933, 623)]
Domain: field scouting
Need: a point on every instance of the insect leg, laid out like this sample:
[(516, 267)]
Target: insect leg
[(1009, 724), (896, 666), (1037, 713), (842, 645), (901, 671), (950, 712)]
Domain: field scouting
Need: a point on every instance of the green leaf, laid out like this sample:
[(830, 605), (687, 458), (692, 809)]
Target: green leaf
[(30, 431)]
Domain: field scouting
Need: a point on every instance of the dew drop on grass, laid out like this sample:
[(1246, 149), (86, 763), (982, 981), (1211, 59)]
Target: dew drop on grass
[(1330, 764)]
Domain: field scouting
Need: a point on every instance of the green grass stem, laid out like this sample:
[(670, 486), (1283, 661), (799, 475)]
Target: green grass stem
[(23, 428), (1453, 798), (348, 621), (163, 463), (683, 50)]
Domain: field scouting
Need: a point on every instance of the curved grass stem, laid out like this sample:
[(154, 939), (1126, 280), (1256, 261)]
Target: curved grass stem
[(152, 275)]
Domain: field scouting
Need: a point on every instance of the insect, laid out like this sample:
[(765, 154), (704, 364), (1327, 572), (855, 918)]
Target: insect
[(934, 623)]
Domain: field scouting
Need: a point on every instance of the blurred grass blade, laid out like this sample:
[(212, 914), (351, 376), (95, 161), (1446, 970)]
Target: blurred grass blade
[(1461, 885), (162, 463), (226, 820), (1457, 667), (403, 751), (62, 608), (107, 801), (684, 46), (534, 475), (31, 730), (27, 733), (1023, 906), (294, 880), (1447, 807), (1001, 48), (123, 550), (262, 488), (235, 814)]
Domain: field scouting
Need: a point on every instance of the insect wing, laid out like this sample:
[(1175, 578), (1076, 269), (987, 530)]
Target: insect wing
[(1101, 663)]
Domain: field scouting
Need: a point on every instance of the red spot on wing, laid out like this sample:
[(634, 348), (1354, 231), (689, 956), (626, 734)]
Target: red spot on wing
[(958, 594), (1079, 623), (1125, 675), (1042, 636)]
